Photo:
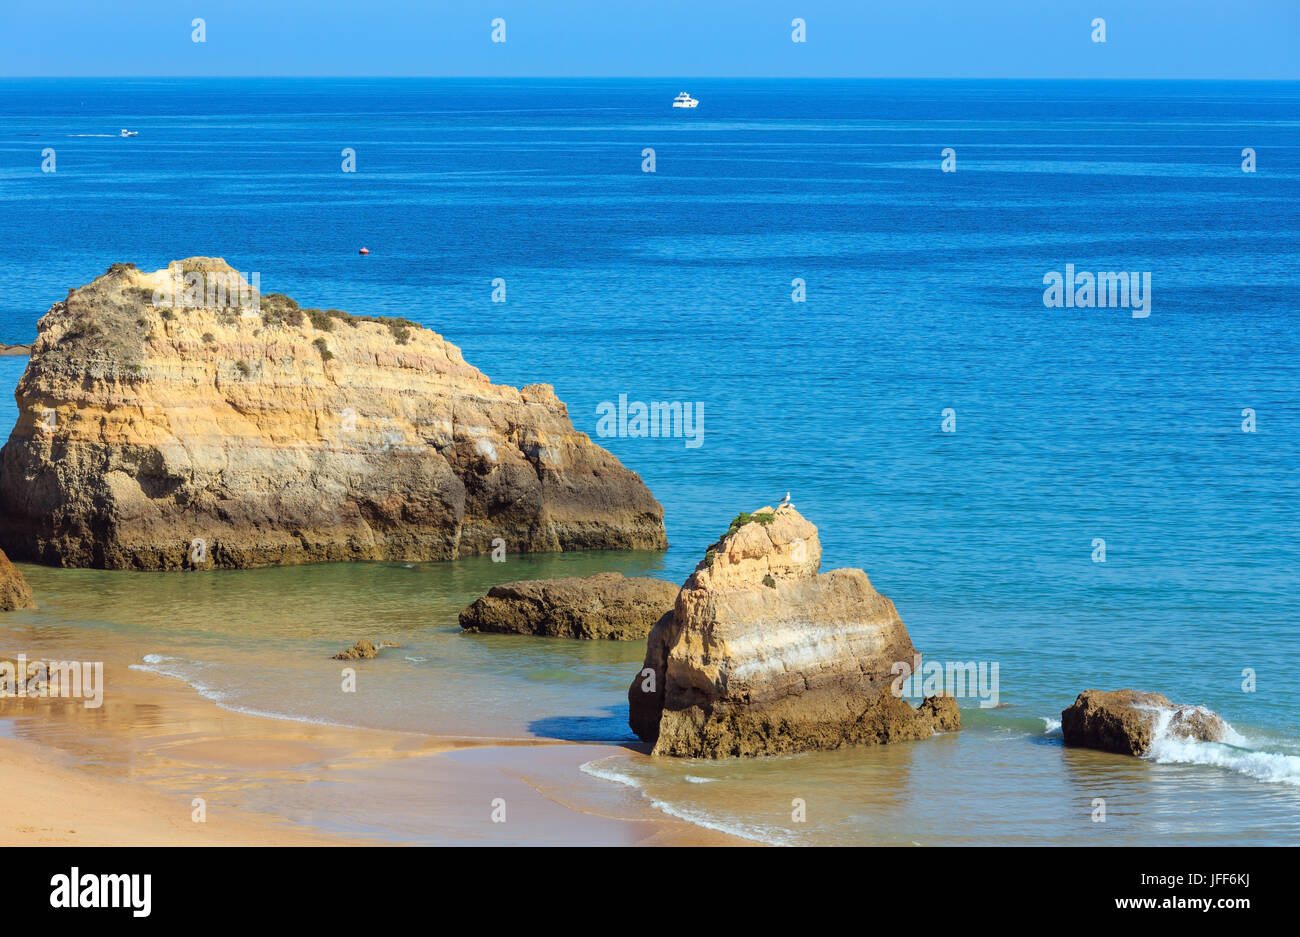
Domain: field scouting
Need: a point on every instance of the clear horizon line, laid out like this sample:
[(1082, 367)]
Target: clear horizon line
[(640, 78)]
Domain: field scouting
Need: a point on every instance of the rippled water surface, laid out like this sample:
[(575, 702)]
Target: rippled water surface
[(924, 292)]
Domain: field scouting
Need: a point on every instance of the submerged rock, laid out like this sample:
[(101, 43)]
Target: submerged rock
[(220, 435), (608, 606), (363, 650), (805, 661), (1127, 722), (14, 591)]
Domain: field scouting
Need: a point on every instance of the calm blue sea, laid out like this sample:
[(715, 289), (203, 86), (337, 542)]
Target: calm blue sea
[(924, 292)]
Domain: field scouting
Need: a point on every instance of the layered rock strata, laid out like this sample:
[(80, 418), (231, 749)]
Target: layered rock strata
[(162, 428), (762, 654)]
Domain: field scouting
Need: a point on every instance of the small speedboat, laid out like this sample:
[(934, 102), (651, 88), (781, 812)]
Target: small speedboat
[(685, 100), (129, 133), (364, 250)]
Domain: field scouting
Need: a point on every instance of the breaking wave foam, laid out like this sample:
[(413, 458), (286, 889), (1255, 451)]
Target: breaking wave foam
[(753, 832), (187, 671), (1235, 753)]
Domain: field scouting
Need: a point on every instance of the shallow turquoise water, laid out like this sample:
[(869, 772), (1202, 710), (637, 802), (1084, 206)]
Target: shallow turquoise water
[(261, 641), (924, 293)]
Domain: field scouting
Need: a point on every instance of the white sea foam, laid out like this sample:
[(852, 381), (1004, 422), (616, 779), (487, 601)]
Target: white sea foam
[(603, 769), (177, 667), (182, 669), (692, 779), (1235, 753)]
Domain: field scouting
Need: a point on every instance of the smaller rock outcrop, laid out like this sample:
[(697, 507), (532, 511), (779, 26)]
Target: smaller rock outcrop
[(1127, 722), (15, 351), (14, 591), (763, 655), (363, 650), (608, 606)]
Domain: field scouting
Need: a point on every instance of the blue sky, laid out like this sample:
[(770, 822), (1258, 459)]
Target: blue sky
[(662, 38)]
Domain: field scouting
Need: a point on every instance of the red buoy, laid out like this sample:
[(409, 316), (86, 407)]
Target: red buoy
[(364, 250)]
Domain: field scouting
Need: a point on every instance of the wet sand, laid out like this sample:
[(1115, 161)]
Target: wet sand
[(128, 773), (44, 802)]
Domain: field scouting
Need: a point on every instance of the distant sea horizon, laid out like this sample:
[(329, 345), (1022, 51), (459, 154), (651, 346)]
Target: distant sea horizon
[(700, 77)]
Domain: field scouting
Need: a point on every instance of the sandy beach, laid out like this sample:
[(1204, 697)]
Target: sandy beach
[(46, 803), (128, 773)]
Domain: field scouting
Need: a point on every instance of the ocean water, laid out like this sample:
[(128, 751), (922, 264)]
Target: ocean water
[(923, 293)]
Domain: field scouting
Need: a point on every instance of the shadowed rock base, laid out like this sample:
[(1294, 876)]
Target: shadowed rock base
[(819, 720)]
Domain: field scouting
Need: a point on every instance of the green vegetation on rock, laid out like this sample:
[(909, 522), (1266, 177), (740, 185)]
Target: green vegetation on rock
[(743, 518)]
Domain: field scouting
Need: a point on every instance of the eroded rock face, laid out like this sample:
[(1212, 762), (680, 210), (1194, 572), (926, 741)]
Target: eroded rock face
[(608, 606), (1127, 722), (763, 655), (14, 591), (155, 437)]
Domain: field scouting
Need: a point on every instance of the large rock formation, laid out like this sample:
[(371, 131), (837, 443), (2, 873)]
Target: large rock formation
[(607, 606), (14, 591), (153, 436), (761, 654), (1127, 722)]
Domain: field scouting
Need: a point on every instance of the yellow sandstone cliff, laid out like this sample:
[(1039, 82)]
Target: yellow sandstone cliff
[(160, 436), (763, 655)]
